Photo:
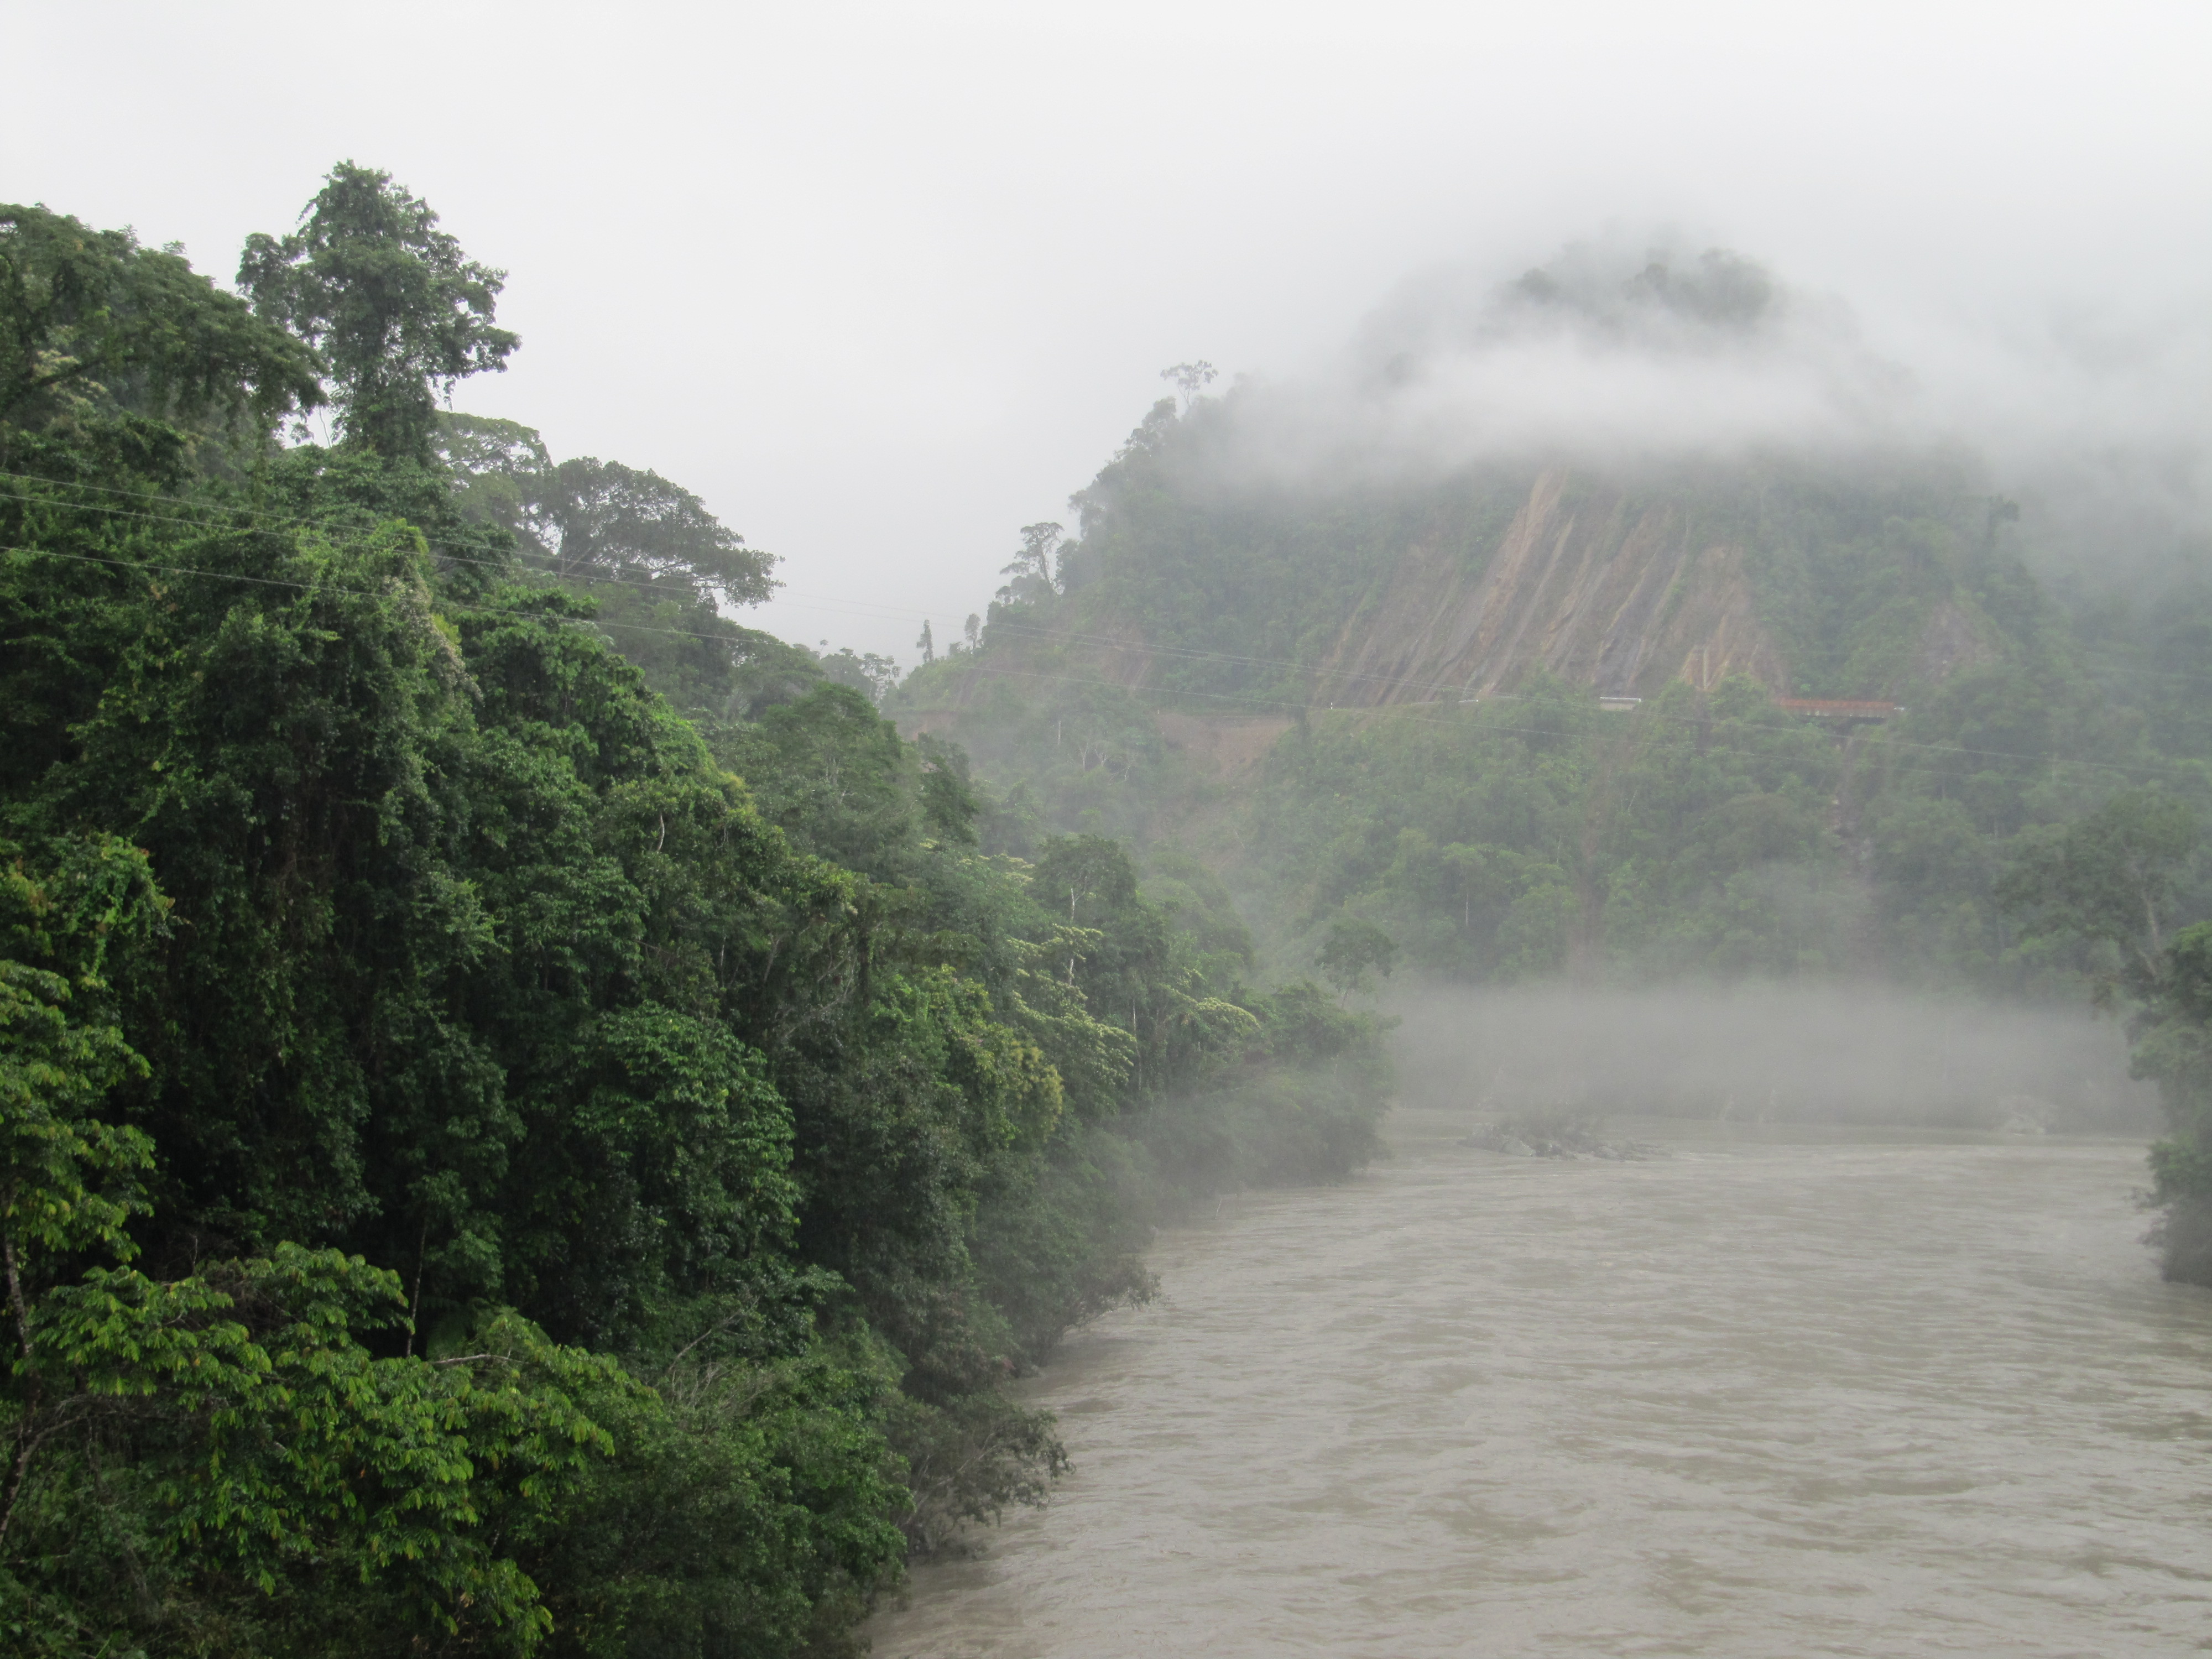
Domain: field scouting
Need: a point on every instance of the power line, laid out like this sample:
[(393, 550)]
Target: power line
[(1397, 712), (438, 606), (336, 538), (450, 549), (1066, 635), (588, 625)]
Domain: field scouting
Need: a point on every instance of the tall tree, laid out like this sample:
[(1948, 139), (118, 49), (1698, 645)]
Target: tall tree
[(397, 311), (588, 520), (594, 517), (2114, 879), (127, 349), (1032, 568), (1189, 379), (2173, 1040)]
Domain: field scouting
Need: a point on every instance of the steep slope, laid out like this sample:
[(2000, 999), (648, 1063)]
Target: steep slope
[(1586, 584), (1223, 594)]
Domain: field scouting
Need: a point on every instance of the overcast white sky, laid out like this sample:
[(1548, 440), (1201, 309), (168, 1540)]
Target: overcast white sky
[(883, 284)]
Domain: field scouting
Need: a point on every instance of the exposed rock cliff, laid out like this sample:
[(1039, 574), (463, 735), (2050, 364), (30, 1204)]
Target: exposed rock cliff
[(1585, 583), (1220, 596)]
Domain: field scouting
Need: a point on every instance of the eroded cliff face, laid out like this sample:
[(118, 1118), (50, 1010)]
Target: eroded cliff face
[(1585, 583), (1809, 584), (1950, 641)]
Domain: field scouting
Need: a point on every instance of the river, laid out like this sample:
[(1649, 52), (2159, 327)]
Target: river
[(1774, 1395)]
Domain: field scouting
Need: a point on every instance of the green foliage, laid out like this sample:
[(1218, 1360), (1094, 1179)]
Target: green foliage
[(1354, 950), (1505, 841), (487, 1161), (398, 313), (1713, 834), (1033, 571), (2112, 880), (833, 776), (968, 1461), (2172, 1033), (112, 354), (1304, 1106), (68, 1180), (748, 1510), (588, 516), (1237, 589), (656, 566), (288, 1479), (1084, 756)]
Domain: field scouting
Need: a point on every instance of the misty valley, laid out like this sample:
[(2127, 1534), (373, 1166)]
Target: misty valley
[(1508, 1000)]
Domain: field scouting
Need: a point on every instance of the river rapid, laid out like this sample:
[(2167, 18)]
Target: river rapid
[(1772, 1395)]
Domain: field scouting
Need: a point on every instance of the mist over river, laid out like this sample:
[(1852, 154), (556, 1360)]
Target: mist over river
[(1787, 1391)]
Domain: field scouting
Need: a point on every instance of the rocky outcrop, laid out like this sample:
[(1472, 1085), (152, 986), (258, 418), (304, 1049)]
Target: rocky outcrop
[(1585, 582), (1948, 642), (1222, 746)]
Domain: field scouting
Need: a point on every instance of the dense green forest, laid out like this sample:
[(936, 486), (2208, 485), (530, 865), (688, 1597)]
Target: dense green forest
[(530, 1120), (535, 1121), (2030, 827)]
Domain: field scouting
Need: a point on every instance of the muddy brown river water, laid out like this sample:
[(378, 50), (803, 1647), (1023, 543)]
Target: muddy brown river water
[(1767, 1396)]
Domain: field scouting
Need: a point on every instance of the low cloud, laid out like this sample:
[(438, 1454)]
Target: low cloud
[(1768, 1053), (1650, 351), (1612, 351)]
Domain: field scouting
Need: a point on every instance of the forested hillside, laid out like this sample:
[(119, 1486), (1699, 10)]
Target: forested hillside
[(1367, 698), (1462, 788), (530, 1120), (535, 1121)]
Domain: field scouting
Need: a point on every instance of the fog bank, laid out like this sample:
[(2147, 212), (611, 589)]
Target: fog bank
[(1767, 1055), (1649, 352)]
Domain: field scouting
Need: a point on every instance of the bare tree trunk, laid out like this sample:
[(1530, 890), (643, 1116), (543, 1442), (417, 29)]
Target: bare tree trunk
[(16, 1295)]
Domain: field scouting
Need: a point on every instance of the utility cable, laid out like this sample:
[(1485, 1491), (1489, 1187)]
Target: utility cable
[(1383, 680)]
